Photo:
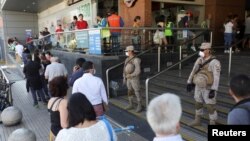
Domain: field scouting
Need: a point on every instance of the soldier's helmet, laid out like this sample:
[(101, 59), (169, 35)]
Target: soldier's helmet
[(205, 45), (130, 48)]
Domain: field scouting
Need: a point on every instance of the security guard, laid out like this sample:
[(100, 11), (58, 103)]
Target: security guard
[(168, 31), (131, 75), (205, 75)]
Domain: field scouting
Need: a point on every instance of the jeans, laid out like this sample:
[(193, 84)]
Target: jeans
[(39, 92), (115, 42), (45, 87), (136, 41), (228, 40)]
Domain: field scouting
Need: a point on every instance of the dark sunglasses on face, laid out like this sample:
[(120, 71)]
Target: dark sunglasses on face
[(203, 50)]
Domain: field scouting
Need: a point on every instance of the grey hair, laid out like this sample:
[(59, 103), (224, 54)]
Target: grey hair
[(164, 113), (54, 59)]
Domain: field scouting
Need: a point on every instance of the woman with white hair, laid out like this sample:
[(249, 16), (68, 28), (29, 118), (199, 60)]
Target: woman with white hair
[(163, 115)]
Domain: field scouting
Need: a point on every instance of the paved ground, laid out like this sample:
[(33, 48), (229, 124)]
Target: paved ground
[(37, 119)]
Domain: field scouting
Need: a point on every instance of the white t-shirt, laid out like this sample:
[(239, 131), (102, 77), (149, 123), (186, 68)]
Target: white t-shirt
[(96, 132), (19, 49), (92, 87), (55, 69), (169, 138), (228, 27)]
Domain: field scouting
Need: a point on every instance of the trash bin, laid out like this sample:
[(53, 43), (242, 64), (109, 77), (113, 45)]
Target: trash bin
[(117, 88)]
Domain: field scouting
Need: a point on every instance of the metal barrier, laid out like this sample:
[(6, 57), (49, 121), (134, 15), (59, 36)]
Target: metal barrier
[(231, 51), (150, 78), (86, 36), (178, 63), (9, 83), (93, 38), (158, 64)]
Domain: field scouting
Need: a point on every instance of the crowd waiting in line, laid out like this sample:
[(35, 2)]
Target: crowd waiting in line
[(77, 116), (48, 81)]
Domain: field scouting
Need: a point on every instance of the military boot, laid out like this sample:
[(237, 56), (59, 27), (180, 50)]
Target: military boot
[(212, 122), (130, 105), (196, 122), (139, 107)]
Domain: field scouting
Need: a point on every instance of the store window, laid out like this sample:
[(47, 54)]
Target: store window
[(105, 5)]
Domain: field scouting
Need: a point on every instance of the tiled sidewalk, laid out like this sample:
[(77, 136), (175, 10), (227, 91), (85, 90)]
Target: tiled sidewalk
[(37, 119)]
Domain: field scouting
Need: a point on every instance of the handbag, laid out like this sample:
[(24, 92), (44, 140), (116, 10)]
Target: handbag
[(108, 125)]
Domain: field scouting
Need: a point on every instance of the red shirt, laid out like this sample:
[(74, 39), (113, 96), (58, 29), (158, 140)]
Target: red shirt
[(81, 24), (59, 30)]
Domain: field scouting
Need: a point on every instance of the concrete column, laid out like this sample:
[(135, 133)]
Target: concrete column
[(141, 8)]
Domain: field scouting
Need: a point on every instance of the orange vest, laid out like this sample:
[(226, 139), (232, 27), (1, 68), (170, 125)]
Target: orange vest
[(114, 21)]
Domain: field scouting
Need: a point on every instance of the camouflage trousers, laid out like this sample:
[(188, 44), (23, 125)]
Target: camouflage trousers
[(133, 86), (201, 98)]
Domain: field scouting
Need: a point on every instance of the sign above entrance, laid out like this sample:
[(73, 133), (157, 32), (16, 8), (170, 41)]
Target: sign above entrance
[(186, 0), (71, 2), (129, 3)]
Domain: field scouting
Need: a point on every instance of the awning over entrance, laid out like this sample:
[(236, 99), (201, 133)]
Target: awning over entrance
[(30, 6)]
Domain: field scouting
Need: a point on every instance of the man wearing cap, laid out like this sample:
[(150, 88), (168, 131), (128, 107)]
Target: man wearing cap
[(131, 76), (205, 75)]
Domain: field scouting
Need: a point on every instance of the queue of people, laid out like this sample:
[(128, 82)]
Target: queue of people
[(89, 95)]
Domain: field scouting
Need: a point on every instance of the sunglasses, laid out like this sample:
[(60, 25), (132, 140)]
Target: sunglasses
[(203, 50)]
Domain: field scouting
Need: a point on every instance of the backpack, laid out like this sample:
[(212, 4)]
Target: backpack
[(202, 77)]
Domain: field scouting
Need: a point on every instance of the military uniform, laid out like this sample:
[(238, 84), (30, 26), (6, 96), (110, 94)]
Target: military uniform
[(131, 73), (202, 88)]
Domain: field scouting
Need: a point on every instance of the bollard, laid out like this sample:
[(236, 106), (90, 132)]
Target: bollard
[(11, 116), (22, 134)]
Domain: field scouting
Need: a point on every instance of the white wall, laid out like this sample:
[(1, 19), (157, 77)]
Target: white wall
[(63, 14), (15, 24)]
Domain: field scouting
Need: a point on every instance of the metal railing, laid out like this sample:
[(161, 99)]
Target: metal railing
[(231, 51), (6, 80), (152, 77), (117, 65), (159, 61), (178, 63), (146, 34)]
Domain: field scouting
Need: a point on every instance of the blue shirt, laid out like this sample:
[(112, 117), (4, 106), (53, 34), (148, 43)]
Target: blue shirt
[(239, 116), (75, 76)]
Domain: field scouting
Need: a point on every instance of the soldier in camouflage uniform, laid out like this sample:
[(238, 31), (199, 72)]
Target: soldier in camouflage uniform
[(205, 86), (131, 76)]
